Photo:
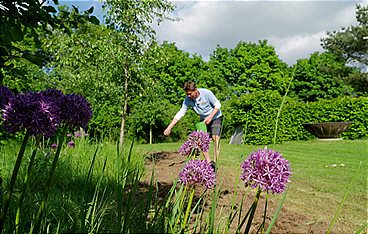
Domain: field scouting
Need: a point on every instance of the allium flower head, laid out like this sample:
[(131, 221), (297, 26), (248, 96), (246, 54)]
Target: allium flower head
[(55, 94), (54, 146), (196, 140), (77, 134), (5, 95), (31, 111), (71, 144), (198, 172), (267, 170), (76, 111)]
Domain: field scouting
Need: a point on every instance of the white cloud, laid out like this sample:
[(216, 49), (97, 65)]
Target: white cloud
[(294, 28), (292, 48)]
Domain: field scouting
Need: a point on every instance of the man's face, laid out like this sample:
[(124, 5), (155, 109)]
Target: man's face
[(193, 94)]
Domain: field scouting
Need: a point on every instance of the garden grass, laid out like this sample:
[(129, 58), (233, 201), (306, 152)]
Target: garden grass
[(321, 174), (316, 189)]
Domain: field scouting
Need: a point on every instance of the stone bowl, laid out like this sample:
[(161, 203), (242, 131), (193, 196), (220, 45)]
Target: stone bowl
[(326, 130)]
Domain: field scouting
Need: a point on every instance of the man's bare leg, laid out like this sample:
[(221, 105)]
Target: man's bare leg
[(207, 156), (216, 147)]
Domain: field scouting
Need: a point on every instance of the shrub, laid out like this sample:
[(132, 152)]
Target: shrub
[(257, 113)]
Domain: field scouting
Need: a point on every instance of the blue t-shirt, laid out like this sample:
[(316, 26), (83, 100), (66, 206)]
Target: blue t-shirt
[(203, 105)]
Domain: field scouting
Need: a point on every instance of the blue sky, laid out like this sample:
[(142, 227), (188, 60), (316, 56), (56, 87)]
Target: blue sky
[(294, 28)]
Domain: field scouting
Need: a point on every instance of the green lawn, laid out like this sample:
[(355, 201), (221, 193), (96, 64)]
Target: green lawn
[(322, 173)]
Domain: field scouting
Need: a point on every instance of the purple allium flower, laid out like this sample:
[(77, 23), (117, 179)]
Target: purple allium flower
[(196, 140), (5, 95), (55, 94), (32, 111), (54, 146), (267, 170), (198, 172), (71, 144), (75, 111), (77, 134), (69, 135)]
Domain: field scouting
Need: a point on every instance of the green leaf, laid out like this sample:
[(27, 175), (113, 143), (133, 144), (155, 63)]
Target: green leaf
[(49, 9), (94, 20), (90, 10)]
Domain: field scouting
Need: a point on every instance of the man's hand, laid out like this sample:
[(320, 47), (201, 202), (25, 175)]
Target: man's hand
[(208, 119), (167, 131)]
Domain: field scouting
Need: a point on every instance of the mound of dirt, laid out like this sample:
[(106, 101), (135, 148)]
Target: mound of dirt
[(169, 164)]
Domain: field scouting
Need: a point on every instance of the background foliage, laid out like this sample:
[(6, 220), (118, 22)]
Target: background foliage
[(96, 60)]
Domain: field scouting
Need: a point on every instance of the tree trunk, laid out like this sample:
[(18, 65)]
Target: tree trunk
[(151, 137), (123, 118)]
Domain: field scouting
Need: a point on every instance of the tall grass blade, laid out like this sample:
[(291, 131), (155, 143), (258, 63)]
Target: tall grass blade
[(273, 221), (184, 223), (232, 214), (130, 150), (25, 186), (343, 200), (9, 194), (129, 209), (90, 170), (199, 207), (149, 200), (118, 189), (93, 208), (240, 212), (252, 211), (282, 104), (88, 179), (360, 230), (213, 210), (49, 182), (261, 227)]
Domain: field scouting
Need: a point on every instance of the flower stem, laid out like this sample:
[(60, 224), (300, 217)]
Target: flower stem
[(25, 185), (12, 181), (253, 210), (262, 226), (188, 209)]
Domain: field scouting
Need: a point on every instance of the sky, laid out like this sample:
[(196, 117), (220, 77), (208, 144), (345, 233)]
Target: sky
[(293, 28)]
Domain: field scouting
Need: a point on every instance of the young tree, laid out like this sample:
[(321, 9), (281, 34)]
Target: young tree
[(134, 19), (85, 62)]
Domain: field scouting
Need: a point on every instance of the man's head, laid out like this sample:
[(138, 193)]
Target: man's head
[(190, 89)]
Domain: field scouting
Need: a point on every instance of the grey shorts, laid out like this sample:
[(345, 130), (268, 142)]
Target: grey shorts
[(214, 127)]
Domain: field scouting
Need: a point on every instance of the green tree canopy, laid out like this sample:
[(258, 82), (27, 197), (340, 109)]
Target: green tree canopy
[(351, 42), (250, 67), (171, 68), (86, 62), (23, 20), (320, 77)]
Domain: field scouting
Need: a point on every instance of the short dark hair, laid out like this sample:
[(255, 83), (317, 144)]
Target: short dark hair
[(189, 86)]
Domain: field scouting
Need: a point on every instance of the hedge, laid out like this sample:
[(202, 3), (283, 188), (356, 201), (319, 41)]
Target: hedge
[(257, 113)]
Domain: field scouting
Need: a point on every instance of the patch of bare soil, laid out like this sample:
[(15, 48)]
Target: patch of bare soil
[(168, 166)]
